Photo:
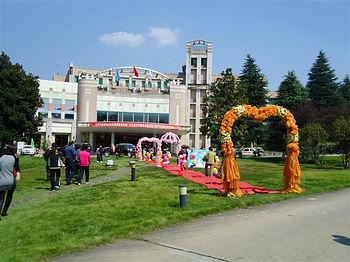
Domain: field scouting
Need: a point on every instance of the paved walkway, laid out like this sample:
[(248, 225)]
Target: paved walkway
[(305, 229)]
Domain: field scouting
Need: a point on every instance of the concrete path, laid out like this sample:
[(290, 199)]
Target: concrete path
[(308, 229)]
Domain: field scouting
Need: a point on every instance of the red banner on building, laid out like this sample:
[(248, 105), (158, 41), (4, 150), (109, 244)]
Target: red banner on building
[(134, 125)]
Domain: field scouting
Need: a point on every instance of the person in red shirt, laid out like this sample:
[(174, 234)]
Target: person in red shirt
[(84, 163)]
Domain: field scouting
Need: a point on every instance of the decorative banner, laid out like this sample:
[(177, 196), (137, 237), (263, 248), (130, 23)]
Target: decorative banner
[(195, 158), (135, 125)]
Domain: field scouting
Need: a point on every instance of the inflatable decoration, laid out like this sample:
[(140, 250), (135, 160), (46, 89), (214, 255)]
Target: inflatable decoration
[(157, 153), (171, 138)]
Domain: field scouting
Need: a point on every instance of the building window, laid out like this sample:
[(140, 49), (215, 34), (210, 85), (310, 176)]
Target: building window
[(203, 62), (112, 116), (56, 108), (43, 114), (127, 117), (138, 117), (68, 116), (164, 118), (127, 83), (143, 83), (153, 118), (43, 110), (133, 83), (159, 85), (149, 84), (56, 104), (56, 115), (194, 62), (101, 116), (100, 81), (69, 106)]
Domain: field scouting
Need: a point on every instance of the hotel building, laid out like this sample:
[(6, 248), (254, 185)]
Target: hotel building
[(123, 104)]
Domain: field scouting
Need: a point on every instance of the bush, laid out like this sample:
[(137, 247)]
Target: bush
[(313, 137), (341, 130)]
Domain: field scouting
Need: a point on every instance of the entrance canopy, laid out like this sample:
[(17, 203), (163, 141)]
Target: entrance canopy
[(132, 127)]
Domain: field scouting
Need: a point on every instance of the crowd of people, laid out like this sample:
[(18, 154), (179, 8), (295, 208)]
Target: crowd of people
[(75, 160)]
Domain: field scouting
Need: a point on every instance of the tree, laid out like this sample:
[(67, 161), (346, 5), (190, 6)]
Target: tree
[(291, 92), (312, 136), (254, 82), (222, 95), (322, 85), (19, 101), (341, 129), (344, 91)]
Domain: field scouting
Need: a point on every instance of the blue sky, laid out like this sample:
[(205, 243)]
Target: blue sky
[(45, 36)]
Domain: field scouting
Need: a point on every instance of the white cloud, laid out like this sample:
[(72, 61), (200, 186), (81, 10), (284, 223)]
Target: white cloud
[(163, 35), (122, 38)]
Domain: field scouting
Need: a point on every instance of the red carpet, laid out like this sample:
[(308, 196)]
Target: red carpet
[(214, 182)]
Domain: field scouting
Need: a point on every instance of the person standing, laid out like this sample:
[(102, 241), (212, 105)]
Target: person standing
[(69, 154), (84, 158), (55, 163), (209, 161), (9, 174)]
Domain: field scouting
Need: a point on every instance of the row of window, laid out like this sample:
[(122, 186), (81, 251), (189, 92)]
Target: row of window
[(133, 83), (194, 62), (57, 105), (57, 115), (132, 117)]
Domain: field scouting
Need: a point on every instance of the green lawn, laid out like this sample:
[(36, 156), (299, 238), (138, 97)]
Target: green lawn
[(43, 224)]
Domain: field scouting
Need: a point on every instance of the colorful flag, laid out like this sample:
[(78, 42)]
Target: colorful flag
[(117, 77), (135, 71)]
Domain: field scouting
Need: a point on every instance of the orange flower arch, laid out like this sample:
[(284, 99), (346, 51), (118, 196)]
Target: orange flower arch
[(291, 172)]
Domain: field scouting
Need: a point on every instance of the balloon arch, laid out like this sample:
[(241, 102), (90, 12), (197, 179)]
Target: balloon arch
[(171, 138), (152, 140), (291, 172)]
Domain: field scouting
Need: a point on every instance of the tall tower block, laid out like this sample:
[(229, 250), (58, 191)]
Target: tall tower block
[(199, 75)]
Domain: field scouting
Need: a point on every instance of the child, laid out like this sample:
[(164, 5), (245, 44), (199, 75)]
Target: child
[(182, 164)]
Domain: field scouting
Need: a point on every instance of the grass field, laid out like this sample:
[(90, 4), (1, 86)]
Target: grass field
[(43, 224)]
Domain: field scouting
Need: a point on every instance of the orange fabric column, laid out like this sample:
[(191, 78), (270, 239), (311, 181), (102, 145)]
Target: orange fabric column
[(230, 176), (292, 171)]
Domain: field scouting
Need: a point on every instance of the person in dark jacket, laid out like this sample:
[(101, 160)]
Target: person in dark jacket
[(9, 173), (69, 154), (55, 163)]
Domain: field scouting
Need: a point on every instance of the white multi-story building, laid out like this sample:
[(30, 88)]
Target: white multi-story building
[(110, 106)]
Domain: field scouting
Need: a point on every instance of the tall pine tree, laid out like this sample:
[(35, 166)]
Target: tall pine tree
[(344, 91), (222, 95), (254, 82), (291, 92), (322, 85)]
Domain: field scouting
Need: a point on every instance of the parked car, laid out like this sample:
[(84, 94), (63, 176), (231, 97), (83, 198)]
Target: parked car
[(107, 151), (248, 151), (125, 149), (258, 151), (28, 150)]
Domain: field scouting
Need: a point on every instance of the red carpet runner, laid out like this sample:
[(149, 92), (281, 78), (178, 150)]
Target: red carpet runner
[(216, 183)]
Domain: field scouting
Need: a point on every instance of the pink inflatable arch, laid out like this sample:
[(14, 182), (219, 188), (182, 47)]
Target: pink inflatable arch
[(152, 140), (171, 138)]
